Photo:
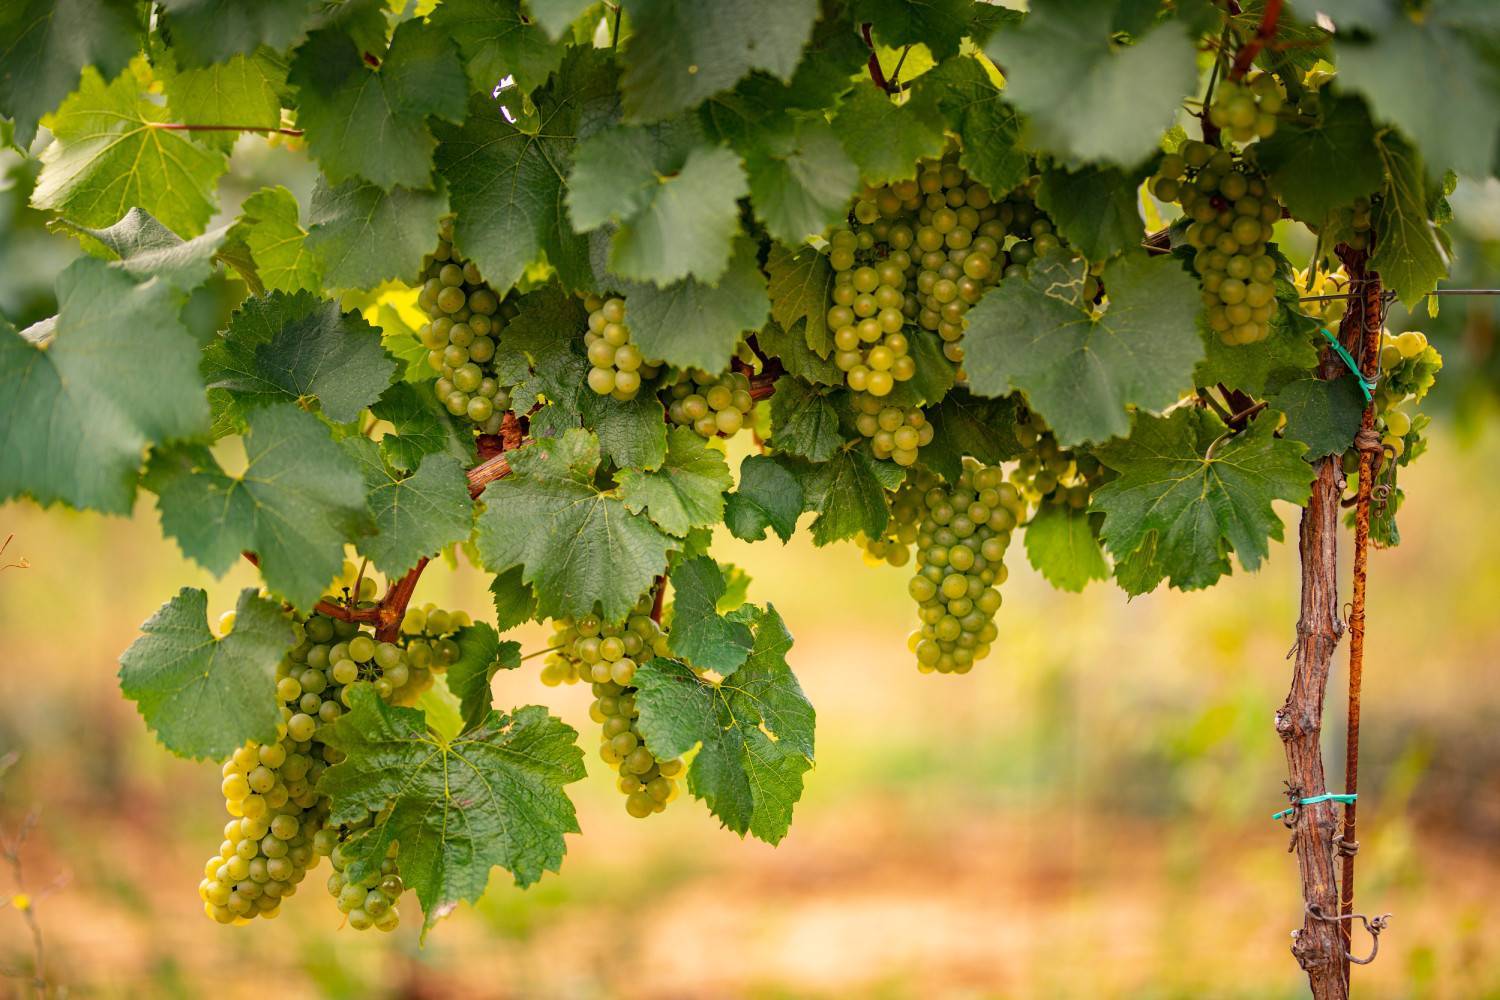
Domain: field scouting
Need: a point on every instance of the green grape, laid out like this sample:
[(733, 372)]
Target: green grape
[(617, 367), (895, 432), (712, 405)]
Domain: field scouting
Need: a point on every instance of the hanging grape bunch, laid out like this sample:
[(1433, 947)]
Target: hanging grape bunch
[(894, 545), (1328, 311), (895, 432), (1408, 369), (465, 318), (712, 405), (1247, 109), (961, 541), (1232, 215), (1047, 473), (618, 367)]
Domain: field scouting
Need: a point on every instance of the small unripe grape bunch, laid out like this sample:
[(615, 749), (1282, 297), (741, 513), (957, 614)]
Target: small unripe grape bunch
[(1328, 311), (1408, 369), (588, 649), (712, 405), (617, 365), (1232, 216), (1353, 224), (893, 547), (426, 639), (1247, 109), (465, 320), (870, 345), (961, 541), (1048, 473), (370, 901), (895, 432)]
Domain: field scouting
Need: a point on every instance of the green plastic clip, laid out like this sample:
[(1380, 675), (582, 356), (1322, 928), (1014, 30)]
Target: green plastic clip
[(1366, 386), (1326, 797)]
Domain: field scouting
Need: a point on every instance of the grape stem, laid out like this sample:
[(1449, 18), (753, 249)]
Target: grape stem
[(1263, 34), (267, 129), (876, 73)]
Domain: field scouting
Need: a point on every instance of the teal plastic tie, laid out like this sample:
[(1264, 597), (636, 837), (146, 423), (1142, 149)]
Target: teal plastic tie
[(1326, 797), (1366, 386)]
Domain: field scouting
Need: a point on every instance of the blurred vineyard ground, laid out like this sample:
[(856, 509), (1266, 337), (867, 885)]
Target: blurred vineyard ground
[(1085, 815)]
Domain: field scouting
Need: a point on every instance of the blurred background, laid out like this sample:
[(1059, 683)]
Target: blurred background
[(1087, 814)]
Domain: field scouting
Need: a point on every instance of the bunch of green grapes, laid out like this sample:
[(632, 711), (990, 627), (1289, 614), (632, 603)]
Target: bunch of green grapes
[(1232, 214), (370, 902), (961, 541), (866, 317), (1247, 109), (1048, 473), (893, 547), (1327, 311), (426, 639), (1408, 369), (895, 432), (712, 405), (618, 365), (465, 319)]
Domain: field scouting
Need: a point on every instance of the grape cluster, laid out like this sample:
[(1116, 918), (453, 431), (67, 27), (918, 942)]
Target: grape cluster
[(1408, 369), (465, 319), (370, 902), (1048, 473), (895, 432), (618, 367), (1232, 214), (1247, 109), (1327, 311), (606, 655), (894, 545), (961, 541), (867, 319), (279, 826), (712, 405)]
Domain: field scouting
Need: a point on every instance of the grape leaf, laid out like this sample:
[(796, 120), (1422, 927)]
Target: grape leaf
[(679, 53), (991, 129), (557, 16), (801, 178), (1199, 506), (1316, 168), (415, 515), (1087, 97), (691, 324), (202, 696), (579, 544), (297, 347), (848, 494), (938, 24), (498, 40), (1322, 414), (700, 635), (481, 655), (106, 158), (507, 184), (422, 427), (457, 808), (884, 138), (514, 600), (118, 374), (1082, 372), (754, 732), (276, 241), (768, 496), (212, 31), (801, 282), (369, 123), (295, 505), (632, 433), (45, 45), (143, 248), (1094, 209), (675, 201), (362, 235), (1428, 80), (803, 420), (795, 357), (538, 358), (1062, 546), (1410, 255), (686, 492), (245, 91), (965, 424)]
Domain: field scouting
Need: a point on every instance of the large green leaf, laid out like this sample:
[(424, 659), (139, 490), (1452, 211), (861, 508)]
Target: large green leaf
[(938, 24), (686, 492), (107, 157), (965, 424), (801, 179), (362, 235), (202, 696), (1062, 546), (298, 501), (768, 496), (884, 138), (456, 808), (144, 248), (1094, 209), (212, 31), (415, 515), (1088, 97), (1410, 253), (118, 374), (700, 635), (1197, 495), (847, 492), (299, 347), (481, 655), (498, 40), (753, 732), (268, 226), (44, 46), (244, 91), (800, 286), (1322, 414), (373, 123), (1323, 165), (1082, 372), (803, 419), (579, 544)]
